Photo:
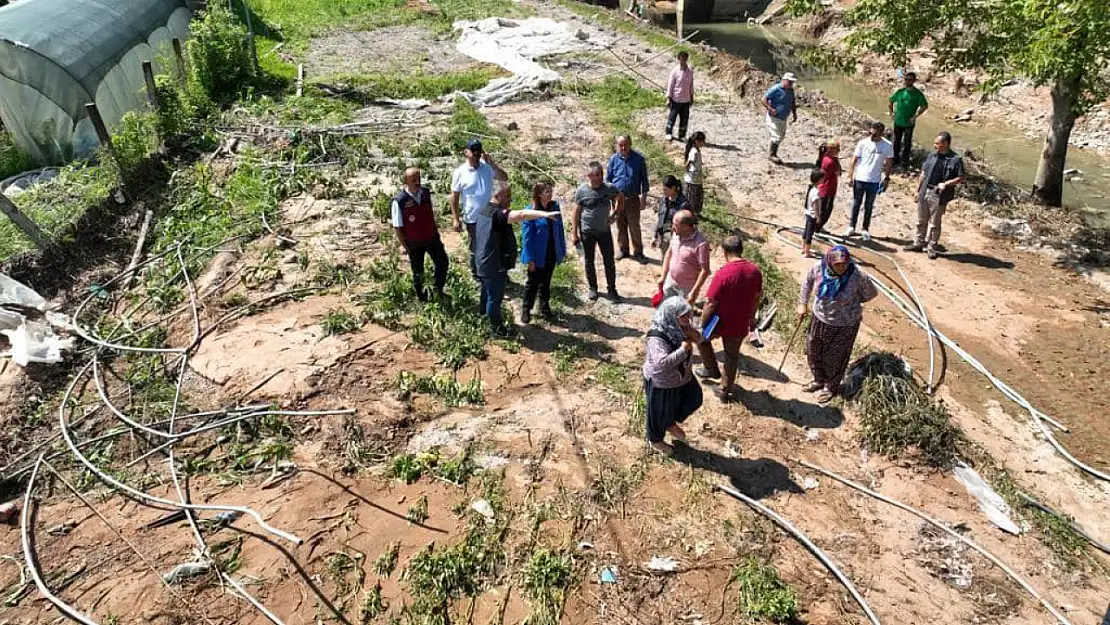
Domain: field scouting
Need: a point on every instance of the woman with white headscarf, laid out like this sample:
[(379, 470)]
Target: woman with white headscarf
[(672, 392)]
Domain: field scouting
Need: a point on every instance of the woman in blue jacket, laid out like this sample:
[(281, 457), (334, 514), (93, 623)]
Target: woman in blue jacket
[(543, 245)]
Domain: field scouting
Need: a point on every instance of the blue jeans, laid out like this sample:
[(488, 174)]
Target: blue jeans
[(493, 291), (863, 192)]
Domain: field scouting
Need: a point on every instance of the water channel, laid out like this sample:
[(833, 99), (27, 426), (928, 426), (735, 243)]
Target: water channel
[(1012, 155)]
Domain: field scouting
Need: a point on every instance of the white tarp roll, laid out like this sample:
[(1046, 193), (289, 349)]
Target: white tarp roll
[(515, 45)]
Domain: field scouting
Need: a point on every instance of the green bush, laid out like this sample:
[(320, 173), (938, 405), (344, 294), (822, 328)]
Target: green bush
[(135, 139), (763, 594), (219, 56)]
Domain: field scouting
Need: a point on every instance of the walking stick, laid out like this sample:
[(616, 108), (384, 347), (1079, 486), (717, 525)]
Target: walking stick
[(790, 345)]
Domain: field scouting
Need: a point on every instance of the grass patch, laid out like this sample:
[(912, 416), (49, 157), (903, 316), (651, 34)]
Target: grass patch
[(339, 321), (57, 204), (637, 415), (613, 484), (444, 387), (566, 355), (1071, 551), (373, 86), (763, 594), (897, 415), (613, 377), (387, 561), (13, 160), (547, 576)]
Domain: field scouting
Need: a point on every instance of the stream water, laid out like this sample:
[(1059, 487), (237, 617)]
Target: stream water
[(1011, 154)]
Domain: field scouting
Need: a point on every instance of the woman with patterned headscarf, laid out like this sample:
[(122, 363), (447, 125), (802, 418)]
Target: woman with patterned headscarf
[(672, 392), (841, 290)]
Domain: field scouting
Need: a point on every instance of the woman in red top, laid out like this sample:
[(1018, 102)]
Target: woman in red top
[(828, 161)]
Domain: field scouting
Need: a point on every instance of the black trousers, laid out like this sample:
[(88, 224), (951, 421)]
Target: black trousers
[(903, 144), (817, 224), (592, 241), (539, 281), (435, 249), (681, 110), (471, 241)]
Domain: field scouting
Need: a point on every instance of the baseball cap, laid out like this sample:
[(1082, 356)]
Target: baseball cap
[(790, 76), (474, 145)]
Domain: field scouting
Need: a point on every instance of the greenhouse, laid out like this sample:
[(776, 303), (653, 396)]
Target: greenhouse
[(58, 55)]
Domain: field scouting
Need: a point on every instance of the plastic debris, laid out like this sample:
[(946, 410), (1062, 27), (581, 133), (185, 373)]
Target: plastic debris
[(31, 341), (9, 513), (990, 502), (731, 450), (662, 564), (585, 546), (810, 483), (483, 508), (182, 572), (227, 517), (609, 575)]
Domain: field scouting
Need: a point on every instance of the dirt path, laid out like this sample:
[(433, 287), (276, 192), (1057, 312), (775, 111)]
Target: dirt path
[(569, 455)]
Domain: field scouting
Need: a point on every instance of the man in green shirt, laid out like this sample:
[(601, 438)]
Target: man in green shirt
[(906, 105)]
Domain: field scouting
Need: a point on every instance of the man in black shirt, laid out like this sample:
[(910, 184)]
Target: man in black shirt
[(941, 172)]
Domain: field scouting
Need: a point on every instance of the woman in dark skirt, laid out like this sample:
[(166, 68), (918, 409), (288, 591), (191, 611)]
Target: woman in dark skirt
[(841, 290), (672, 392)]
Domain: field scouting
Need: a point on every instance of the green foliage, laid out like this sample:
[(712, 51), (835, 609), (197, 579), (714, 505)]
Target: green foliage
[(372, 604), (618, 98), (613, 484), (547, 576), (763, 594), (410, 468), (219, 56), (1070, 550), (418, 512), (56, 204), (372, 86), (175, 110), (13, 159), (468, 123), (339, 321), (637, 415), (135, 139), (445, 387), (566, 355), (896, 414), (613, 377), (387, 561)]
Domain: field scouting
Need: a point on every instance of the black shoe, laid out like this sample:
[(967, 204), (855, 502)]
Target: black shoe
[(592, 295), (916, 247), (707, 374), (623, 256), (640, 258), (932, 251), (504, 332), (526, 316), (614, 296)]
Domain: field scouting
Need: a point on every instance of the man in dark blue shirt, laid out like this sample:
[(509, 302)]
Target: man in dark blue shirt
[(627, 171)]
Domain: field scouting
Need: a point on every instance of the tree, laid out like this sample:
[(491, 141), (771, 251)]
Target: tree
[(1062, 44)]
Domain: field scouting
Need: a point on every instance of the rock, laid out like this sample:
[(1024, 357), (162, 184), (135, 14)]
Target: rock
[(1002, 228), (513, 126), (581, 34)]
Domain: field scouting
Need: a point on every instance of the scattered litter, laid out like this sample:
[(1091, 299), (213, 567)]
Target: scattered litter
[(609, 575), (731, 451), (702, 547), (584, 546), (813, 435), (410, 104), (483, 508), (513, 45), (990, 502), (9, 513), (182, 572), (19, 183), (225, 518), (662, 564), (31, 341), (810, 483), (63, 528)]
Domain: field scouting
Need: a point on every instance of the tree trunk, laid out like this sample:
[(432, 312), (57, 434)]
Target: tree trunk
[(1048, 188)]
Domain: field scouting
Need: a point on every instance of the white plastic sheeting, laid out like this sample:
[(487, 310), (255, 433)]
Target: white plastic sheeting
[(990, 502), (515, 45), (31, 341)]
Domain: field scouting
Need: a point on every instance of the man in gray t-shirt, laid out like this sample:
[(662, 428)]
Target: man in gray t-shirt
[(596, 206)]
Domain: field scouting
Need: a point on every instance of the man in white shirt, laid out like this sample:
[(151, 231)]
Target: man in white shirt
[(472, 185), (869, 172)]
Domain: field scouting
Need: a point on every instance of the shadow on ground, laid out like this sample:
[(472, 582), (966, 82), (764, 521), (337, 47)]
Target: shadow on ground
[(755, 478), (801, 414)]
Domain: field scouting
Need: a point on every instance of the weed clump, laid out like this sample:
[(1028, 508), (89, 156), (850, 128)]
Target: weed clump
[(339, 321), (547, 576), (896, 415), (763, 594), (445, 387), (387, 561), (219, 55), (409, 468), (372, 604)]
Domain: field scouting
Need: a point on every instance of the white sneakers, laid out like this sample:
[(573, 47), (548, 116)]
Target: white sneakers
[(667, 136), (865, 235), (849, 231)]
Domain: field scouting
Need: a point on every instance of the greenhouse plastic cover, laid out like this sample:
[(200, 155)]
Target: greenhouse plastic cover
[(58, 55)]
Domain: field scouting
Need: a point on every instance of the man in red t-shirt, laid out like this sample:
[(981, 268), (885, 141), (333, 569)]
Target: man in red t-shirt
[(733, 296)]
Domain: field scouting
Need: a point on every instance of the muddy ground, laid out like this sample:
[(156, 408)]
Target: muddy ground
[(563, 441)]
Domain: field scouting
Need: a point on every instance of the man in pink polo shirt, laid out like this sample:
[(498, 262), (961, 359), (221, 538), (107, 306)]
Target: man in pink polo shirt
[(686, 263), (732, 297), (680, 96)]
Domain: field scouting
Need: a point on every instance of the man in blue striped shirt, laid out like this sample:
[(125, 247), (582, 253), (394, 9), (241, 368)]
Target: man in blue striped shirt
[(627, 171)]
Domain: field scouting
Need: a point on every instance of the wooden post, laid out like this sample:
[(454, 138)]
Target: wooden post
[(180, 56), (98, 125), (680, 11), (300, 79), (21, 221), (151, 90)]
